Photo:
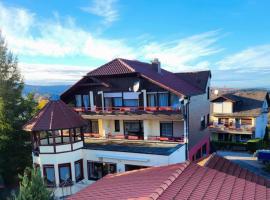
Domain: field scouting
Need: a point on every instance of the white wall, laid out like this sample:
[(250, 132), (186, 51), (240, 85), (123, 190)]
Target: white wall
[(261, 123)]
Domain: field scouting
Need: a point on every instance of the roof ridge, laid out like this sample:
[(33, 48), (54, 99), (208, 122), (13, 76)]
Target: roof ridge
[(157, 193), (125, 64)]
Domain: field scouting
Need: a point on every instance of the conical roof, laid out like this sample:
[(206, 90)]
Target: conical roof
[(54, 116)]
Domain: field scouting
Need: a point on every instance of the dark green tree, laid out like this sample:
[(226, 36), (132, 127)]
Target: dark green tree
[(32, 186), (266, 135), (15, 110)]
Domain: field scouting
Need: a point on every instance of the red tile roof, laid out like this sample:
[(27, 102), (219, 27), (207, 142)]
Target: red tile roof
[(165, 79), (55, 115), (224, 165), (179, 181)]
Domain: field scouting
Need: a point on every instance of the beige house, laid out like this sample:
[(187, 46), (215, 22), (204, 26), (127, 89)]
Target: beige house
[(239, 116)]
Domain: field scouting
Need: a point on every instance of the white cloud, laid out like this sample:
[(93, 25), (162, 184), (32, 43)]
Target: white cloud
[(255, 58), (30, 35), (182, 52), (49, 74), (103, 8)]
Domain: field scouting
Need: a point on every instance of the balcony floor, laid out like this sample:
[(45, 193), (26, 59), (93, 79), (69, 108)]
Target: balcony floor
[(138, 146)]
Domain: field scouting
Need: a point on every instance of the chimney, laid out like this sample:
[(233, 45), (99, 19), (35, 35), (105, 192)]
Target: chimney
[(156, 65)]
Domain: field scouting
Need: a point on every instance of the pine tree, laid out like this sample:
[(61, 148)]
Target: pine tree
[(15, 148), (32, 187)]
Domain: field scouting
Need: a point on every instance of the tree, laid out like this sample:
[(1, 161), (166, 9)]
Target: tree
[(15, 110), (266, 135), (32, 186)]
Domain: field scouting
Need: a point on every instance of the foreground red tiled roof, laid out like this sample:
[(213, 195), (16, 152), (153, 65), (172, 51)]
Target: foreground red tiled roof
[(165, 79), (55, 115), (224, 165), (180, 181)]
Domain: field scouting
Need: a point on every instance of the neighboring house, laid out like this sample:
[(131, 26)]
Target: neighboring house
[(136, 115), (181, 181), (239, 116)]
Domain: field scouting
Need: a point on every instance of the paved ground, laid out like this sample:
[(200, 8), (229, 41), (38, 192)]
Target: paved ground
[(245, 160)]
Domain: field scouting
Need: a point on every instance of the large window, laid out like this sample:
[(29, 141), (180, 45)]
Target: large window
[(166, 129), (78, 99), (163, 99), (97, 170), (79, 170), (174, 101), (113, 102), (133, 128), (49, 176), (86, 101), (131, 102), (93, 126), (65, 174), (151, 99)]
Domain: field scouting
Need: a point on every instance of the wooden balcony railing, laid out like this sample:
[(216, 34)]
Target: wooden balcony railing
[(233, 128)]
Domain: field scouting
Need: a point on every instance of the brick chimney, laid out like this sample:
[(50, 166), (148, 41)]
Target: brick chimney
[(156, 65)]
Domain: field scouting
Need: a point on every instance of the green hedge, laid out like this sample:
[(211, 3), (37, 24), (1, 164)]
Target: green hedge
[(224, 145), (254, 144)]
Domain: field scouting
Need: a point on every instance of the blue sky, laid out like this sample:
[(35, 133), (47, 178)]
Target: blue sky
[(57, 42)]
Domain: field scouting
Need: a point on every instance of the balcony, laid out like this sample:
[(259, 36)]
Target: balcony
[(123, 137), (233, 129), (127, 109)]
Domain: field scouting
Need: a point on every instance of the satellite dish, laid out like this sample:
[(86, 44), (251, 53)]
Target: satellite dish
[(136, 86)]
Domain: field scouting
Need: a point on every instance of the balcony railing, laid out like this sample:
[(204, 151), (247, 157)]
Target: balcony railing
[(232, 128), (126, 109), (180, 139)]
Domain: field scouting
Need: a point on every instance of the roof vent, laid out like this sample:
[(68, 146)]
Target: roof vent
[(156, 65)]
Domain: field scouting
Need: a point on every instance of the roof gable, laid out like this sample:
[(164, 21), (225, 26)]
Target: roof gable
[(55, 115), (165, 79)]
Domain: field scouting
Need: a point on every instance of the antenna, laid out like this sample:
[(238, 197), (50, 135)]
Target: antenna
[(136, 86)]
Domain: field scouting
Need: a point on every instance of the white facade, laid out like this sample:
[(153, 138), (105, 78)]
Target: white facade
[(119, 158)]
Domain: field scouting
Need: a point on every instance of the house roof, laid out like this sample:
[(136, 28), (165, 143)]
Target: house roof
[(55, 115), (224, 165), (168, 80), (198, 79), (179, 181), (248, 103)]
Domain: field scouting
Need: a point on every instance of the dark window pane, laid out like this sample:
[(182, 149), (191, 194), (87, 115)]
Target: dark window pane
[(151, 100), (117, 125), (79, 170), (166, 129), (97, 170), (117, 102)]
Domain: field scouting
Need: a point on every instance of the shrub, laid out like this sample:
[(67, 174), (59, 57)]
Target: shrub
[(254, 144)]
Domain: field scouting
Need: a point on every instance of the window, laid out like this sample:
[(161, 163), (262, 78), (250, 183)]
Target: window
[(151, 99), (224, 121), (86, 101), (131, 102), (163, 99), (116, 125), (133, 128), (93, 126), (246, 121), (133, 167), (79, 170), (78, 99), (117, 102), (198, 154), (49, 176), (202, 122), (204, 150), (97, 170), (65, 174), (174, 100), (166, 129)]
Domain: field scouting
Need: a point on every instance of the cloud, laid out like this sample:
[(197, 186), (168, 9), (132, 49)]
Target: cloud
[(182, 52), (49, 74), (252, 59), (34, 37), (103, 8)]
